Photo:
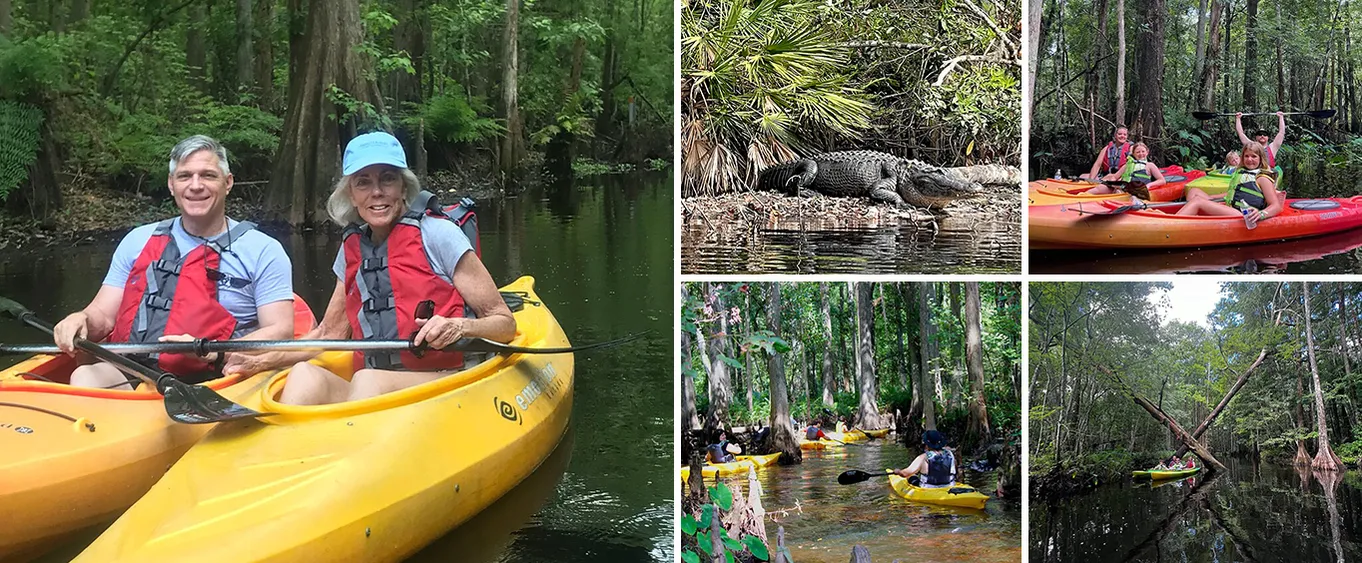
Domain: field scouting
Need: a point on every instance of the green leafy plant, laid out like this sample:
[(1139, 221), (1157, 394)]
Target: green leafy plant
[(455, 118), (697, 532), (20, 132)]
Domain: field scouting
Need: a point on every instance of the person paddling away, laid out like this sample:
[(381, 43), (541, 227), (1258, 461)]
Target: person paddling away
[(1260, 137), (814, 432), (1112, 157), (1138, 168), (199, 275), (1253, 192), (936, 466), (722, 452)]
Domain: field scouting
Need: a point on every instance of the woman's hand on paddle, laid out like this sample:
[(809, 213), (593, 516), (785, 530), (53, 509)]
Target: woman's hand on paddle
[(245, 363), (438, 332), (68, 330)]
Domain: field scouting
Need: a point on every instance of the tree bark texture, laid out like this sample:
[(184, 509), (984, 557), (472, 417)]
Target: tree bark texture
[(1033, 47), (264, 54), (783, 438), (927, 332), (408, 36), (974, 359), (80, 9), (1200, 50), (868, 413), (245, 70), (6, 17), (1120, 117), (1211, 69), (1224, 402), (308, 161), (1164, 419), (1325, 459), (720, 385), (1148, 123), (513, 143), (195, 50), (1251, 57), (690, 418), (827, 346)]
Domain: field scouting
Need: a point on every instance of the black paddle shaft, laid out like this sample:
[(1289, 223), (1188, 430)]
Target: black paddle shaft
[(126, 365)]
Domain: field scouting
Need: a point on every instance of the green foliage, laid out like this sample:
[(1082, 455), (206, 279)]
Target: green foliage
[(20, 133), (28, 68), (455, 118), (364, 114), (696, 543)]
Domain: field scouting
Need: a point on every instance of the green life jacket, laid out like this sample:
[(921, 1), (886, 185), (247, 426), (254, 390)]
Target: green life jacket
[(1226, 170), (1244, 192), (1136, 171)]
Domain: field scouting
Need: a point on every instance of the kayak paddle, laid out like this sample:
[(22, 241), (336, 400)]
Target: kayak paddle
[(1317, 114), (203, 347), (184, 403), (851, 476), (1131, 207)]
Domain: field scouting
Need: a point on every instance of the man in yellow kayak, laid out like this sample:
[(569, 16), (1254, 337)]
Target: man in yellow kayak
[(198, 275), (815, 431), (398, 251), (936, 466), (1252, 194), (722, 451)]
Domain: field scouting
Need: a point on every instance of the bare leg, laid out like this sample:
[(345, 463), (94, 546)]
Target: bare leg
[(1101, 190), (1205, 206), (102, 375), (1194, 193), (374, 382), (309, 384)]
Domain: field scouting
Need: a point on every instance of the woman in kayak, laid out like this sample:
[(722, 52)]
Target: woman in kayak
[(722, 452), (1137, 168), (395, 256), (936, 466), (1112, 157), (1252, 194)]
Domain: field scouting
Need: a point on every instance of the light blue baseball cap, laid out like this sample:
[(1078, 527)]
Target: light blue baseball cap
[(372, 148)]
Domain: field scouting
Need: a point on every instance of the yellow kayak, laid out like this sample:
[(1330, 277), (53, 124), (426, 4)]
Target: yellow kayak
[(706, 472), (761, 460), (714, 470), (370, 480), (881, 433), (963, 496), (818, 444)]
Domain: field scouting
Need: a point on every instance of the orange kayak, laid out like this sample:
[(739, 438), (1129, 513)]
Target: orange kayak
[(1077, 226), (1053, 192), (73, 457)]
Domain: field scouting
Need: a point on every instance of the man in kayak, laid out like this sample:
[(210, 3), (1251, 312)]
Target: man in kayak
[(1137, 168), (814, 432), (1252, 194), (722, 451), (1112, 157), (936, 466), (198, 275), (1260, 137), (398, 251)]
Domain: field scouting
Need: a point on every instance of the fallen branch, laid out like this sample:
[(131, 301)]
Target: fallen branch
[(951, 64), (1167, 421), (1005, 37)]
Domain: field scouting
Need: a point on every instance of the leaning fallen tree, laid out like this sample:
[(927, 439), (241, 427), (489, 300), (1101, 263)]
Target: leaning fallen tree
[(1163, 418)]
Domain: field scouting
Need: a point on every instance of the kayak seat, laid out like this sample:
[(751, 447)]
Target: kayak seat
[(1314, 204), (960, 490)]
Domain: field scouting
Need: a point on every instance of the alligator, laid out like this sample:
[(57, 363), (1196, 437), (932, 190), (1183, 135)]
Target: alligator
[(880, 176)]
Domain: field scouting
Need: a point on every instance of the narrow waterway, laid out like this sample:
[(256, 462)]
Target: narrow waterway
[(601, 252), (1252, 512), (824, 520)]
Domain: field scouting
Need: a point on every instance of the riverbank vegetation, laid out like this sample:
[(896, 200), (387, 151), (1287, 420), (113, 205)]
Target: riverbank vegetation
[(1272, 374), (907, 356), (768, 80), (1150, 64), (481, 92)]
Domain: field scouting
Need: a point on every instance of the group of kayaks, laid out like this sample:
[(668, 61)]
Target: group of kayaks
[(369, 480), (1063, 215), (1164, 474)]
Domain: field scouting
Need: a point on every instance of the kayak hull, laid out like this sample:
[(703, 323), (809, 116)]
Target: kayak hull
[(881, 433), (58, 476), (942, 496), (761, 460), (818, 444), (370, 480), (1063, 226), (1055, 192), (1161, 475)]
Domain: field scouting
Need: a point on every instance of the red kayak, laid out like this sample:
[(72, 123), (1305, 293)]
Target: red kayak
[(1052, 192)]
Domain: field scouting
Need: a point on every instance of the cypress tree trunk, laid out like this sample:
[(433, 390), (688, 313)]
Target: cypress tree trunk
[(1120, 117), (783, 437), (513, 144), (927, 332), (720, 385), (1251, 57), (868, 413), (827, 347), (1148, 122), (690, 419), (1212, 66), (264, 54), (1325, 459), (974, 354), (245, 69)]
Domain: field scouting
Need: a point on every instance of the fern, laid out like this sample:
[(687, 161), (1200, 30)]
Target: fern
[(19, 135)]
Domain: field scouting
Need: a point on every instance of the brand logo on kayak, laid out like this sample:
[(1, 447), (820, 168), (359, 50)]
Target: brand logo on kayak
[(19, 429), (507, 410), (1330, 215), (544, 382)]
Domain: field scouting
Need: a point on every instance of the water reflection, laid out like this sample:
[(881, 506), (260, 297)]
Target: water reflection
[(1251, 512), (1329, 254)]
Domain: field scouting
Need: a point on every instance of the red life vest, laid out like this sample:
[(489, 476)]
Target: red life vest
[(170, 293), (1271, 158), (385, 284), (1113, 154)]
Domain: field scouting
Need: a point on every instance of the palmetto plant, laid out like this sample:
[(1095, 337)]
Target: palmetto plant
[(754, 73)]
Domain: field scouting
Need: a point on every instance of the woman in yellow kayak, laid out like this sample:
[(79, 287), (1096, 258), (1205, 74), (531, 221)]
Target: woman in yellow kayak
[(396, 253), (1252, 194), (936, 466), (1137, 168)]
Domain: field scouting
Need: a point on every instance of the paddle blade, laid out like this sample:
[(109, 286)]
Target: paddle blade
[(1204, 115), (194, 404), (1322, 113), (1138, 189), (12, 308), (851, 476)]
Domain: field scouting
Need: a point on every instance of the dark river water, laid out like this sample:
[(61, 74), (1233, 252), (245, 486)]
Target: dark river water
[(1338, 253), (824, 520), (1252, 512), (601, 253)]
